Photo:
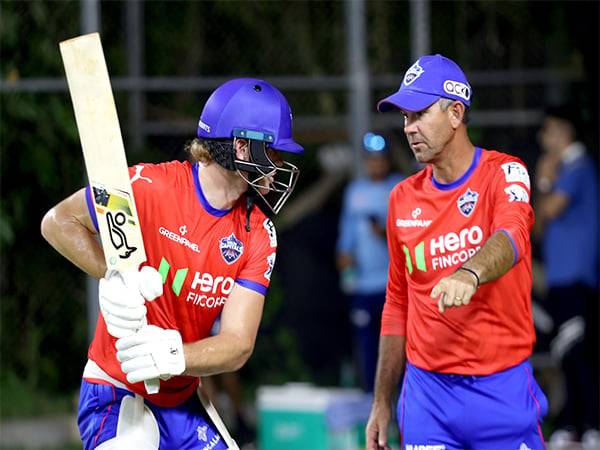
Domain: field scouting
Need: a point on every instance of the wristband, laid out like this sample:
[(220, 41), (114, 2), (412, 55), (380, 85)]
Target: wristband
[(471, 271)]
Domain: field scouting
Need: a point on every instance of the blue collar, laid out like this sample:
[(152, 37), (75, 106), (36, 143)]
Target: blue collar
[(203, 201), (463, 178)]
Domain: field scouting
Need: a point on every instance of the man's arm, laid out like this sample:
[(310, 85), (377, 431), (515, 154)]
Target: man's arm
[(155, 352), (392, 342), (511, 226), (69, 229), (492, 261), (390, 365), (230, 349)]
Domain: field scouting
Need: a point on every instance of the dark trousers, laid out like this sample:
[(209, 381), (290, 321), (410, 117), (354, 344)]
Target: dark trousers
[(575, 344), (365, 316)]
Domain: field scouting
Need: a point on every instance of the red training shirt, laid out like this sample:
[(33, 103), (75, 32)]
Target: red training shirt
[(433, 229), (201, 252)]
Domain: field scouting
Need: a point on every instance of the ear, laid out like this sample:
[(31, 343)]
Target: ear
[(456, 112), (241, 149)]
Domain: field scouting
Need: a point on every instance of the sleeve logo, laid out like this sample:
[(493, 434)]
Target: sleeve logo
[(517, 193), (515, 172), (270, 264), (268, 225)]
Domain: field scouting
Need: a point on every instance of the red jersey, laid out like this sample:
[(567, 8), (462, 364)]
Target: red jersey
[(433, 229), (201, 252)]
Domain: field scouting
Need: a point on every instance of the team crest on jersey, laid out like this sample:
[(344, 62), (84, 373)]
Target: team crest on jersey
[(466, 202), (231, 248)]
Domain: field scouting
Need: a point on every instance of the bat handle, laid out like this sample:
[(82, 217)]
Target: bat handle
[(152, 386)]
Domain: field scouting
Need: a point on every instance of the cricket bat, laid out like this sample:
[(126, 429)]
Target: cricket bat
[(104, 154)]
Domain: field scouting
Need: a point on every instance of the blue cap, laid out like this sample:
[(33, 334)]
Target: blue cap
[(430, 78)]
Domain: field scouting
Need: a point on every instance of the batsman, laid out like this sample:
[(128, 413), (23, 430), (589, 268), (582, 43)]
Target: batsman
[(210, 249)]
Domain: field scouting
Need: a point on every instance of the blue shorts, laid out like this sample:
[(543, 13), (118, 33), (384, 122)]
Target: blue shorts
[(502, 411), (184, 427)]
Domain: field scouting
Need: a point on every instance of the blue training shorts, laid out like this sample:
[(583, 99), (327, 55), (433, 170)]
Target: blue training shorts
[(184, 427), (502, 411)]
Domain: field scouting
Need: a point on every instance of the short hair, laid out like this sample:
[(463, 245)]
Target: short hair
[(445, 104), (568, 113)]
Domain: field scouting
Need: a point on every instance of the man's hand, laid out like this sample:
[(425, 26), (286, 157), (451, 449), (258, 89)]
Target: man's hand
[(150, 353), (377, 427), (122, 297), (455, 290)]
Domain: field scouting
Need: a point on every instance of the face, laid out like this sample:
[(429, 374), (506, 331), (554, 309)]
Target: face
[(428, 131), (377, 166), (267, 180), (554, 135)]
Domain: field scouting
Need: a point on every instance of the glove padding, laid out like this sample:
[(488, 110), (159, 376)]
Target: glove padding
[(122, 296), (152, 352)]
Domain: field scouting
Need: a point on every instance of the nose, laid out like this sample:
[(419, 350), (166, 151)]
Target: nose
[(410, 125)]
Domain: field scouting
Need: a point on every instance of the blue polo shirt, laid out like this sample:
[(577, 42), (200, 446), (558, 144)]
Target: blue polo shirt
[(366, 200), (570, 244)]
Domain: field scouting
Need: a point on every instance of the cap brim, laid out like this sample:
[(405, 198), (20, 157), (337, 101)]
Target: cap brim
[(406, 100), (288, 145)]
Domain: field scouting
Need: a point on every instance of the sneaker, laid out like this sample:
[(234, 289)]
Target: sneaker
[(590, 440), (562, 439)]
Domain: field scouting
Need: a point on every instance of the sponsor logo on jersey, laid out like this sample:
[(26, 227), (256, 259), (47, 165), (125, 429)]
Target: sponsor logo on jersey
[(213, 291), (524, 446), (414, 72), (447, 250), (231, 248), (178, 238), (457, 88), (414, 222), (517, 193), (516, 172), (466, 202), (268, 225), (425, 447), (270, 264), (138, 175), (206, 290)]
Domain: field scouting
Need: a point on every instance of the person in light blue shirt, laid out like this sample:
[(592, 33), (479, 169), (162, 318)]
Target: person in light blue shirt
[(567, 221), (362, 256)]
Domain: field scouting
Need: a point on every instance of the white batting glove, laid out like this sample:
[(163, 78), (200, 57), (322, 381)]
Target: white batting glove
[(122, 296), (152, 352)]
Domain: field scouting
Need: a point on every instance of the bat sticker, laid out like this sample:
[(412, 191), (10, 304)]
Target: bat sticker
[(117, 235)]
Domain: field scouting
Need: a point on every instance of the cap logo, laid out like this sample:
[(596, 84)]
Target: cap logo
[(204, 126), (414, 72), (458, 89)]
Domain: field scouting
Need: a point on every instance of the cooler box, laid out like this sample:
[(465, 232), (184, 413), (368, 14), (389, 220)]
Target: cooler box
[(303, 417)]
